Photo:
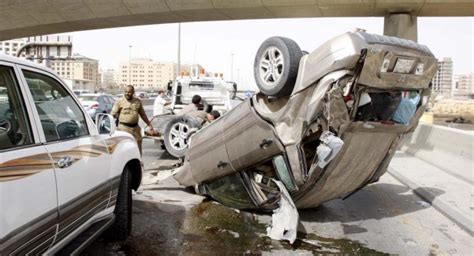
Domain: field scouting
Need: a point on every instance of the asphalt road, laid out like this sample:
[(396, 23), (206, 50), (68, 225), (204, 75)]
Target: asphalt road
[(382, 218)]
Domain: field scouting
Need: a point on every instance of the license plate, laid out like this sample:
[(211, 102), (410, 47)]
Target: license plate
[(403, 66)]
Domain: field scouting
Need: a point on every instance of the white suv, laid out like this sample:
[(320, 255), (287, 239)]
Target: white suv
[(63, 181)]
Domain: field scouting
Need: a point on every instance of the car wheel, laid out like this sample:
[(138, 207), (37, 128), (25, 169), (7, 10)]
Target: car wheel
[(176, 135), (122, 226), (276, 66)]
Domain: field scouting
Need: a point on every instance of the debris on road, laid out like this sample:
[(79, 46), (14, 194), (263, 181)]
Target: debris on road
[(423, 204), (285, 218)]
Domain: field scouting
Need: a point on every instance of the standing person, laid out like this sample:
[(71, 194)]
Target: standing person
[(127, 110), (195, 104), (160, 103)]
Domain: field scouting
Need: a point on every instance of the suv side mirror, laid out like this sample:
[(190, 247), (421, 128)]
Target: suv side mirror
[(105, 123)]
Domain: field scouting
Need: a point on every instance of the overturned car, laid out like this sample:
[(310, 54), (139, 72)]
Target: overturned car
[(324, 125)]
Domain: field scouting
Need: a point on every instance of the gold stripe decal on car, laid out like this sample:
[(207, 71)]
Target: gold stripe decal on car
[(113, 142), (23, 167), (30, 165)]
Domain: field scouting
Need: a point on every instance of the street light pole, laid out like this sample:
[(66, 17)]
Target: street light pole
[(178, 69), (129, 64)]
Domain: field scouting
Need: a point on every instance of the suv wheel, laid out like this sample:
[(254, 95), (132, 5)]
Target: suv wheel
[(276, 66), (122, 226), (177, 133)]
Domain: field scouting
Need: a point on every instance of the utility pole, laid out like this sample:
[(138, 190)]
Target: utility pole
[(129, 64), (178, 69)]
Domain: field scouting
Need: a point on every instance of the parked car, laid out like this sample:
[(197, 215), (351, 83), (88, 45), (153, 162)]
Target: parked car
[(63, 180), (97, 103), (142, 95), (79, 92), (324, 124), (118, 96)]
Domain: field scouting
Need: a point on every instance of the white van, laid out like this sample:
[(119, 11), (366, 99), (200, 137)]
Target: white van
[(214, 91)]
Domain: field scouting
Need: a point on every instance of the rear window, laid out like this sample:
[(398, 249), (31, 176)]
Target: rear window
[(201, 85)]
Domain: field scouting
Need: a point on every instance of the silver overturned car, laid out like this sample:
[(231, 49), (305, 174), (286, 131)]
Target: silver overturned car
[(324, 124)]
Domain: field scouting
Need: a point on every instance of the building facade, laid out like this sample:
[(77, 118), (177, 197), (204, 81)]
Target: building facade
[(145, 74), (83, 72), (40, 49), (11, 47), (443, 80), (464, 86), (107, 79)]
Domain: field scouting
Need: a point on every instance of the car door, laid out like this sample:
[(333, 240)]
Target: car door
[(80, 157), (208, 153), (248, 138), (28, 202)]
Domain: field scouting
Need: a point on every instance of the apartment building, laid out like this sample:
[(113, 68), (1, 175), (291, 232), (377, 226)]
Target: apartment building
[(145, 74), (83, 72), (464, 86), (11, 47), (443, 80)]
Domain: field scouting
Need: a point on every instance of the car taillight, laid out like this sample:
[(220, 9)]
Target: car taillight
[(94, 106)]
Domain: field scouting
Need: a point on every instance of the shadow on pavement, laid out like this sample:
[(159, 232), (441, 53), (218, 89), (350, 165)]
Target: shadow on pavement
[(156, 231), (377, 201)]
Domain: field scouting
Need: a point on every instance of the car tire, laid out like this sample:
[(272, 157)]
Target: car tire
[(120, 230), (176, 135), (276, 66)]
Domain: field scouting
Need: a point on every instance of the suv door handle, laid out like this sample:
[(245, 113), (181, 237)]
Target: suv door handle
[(222, 165), (265, 143), (64, 162)]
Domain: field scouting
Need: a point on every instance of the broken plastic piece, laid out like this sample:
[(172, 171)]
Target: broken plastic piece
[(285, 218), (364, 99), (328, 149)]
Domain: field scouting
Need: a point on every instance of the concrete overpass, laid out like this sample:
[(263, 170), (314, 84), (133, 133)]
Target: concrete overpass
[(39, 17)]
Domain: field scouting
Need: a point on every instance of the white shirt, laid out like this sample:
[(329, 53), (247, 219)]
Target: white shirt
[(159, 106)]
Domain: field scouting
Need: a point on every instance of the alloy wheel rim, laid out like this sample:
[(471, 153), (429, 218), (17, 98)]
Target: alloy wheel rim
[(271, 67), (178, 136)]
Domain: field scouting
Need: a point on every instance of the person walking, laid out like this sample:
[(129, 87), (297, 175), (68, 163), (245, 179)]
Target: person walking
[(160, 103), (127, 111)]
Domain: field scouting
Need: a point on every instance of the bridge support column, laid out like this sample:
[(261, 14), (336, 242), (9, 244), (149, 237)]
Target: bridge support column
[(401, 25)]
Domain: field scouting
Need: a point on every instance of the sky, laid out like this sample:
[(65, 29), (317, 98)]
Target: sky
[(218, 45)]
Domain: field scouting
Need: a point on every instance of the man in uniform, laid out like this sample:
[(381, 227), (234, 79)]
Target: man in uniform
[(127, 110)]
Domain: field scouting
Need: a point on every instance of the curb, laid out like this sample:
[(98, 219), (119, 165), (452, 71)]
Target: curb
[(457, 217)]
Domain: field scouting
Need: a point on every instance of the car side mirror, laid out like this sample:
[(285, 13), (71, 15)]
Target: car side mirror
[(105, 123)]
